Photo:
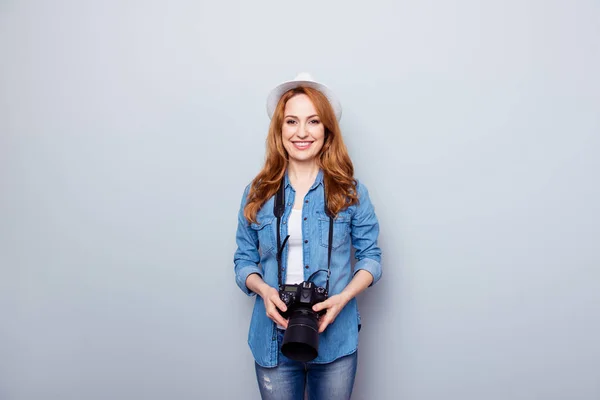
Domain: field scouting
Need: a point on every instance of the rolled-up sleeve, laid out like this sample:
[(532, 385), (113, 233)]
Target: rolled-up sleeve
[(246, 258), (365, 234)]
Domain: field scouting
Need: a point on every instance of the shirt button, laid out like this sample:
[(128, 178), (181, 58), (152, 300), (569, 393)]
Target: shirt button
[(306, 201), (305, 218), (306, 241), (284, 222), (306, 266)]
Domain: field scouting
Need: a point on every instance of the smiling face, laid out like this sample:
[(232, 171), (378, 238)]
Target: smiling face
[(303, 133)]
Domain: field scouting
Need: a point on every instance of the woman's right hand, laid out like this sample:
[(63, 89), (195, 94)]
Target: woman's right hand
[(273, 304), (270, 296)]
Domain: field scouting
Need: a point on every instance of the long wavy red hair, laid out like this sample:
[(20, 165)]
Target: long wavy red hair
[(333, 159)]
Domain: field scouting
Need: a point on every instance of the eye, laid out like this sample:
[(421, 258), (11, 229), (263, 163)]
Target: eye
[(315, 122), (290, 122)]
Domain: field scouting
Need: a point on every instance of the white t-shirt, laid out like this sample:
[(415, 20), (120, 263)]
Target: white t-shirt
[(295, 270)]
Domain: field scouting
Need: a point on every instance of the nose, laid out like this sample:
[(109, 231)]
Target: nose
[(302, 131)]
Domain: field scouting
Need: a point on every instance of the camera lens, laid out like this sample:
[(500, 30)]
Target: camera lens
[(301, 338)]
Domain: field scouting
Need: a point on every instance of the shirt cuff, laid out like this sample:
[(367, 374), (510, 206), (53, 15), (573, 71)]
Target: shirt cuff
[(371, 266), (243, 273)]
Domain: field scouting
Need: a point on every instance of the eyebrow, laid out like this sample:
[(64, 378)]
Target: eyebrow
[(293, 116)]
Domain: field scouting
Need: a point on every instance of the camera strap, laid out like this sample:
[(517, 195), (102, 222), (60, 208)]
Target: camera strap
[(278, 210)]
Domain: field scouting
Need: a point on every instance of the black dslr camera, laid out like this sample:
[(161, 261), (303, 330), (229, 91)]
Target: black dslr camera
[(301, 338)]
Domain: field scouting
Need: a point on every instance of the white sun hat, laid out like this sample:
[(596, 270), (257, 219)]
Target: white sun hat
[(302, 79)]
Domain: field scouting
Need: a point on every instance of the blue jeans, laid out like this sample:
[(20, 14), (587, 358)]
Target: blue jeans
[(290, 379)]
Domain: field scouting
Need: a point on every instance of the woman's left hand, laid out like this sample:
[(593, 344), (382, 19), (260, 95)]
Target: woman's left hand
[(333, 305)]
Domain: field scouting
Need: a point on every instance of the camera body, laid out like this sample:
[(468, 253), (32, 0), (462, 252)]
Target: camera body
[(302, 296)]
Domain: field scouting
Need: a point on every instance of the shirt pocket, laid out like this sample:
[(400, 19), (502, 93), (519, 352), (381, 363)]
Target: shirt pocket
[(265, 229), (341, 229)]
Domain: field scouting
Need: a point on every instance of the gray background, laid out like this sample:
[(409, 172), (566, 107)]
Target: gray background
[(129, 129)]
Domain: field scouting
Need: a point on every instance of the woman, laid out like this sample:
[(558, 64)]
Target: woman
[(306, 158)]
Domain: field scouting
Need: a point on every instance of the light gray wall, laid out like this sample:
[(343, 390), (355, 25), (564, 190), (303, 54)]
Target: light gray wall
[(128, 130)]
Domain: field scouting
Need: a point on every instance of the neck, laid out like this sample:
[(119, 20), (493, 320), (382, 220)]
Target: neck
[(302, 172)]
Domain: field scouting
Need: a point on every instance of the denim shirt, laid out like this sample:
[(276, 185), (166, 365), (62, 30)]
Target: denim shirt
[(355, 226)]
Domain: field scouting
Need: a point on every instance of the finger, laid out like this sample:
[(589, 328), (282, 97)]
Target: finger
[(323, 324), (279, 320), (275, 316), (322, 305), (279, 303)]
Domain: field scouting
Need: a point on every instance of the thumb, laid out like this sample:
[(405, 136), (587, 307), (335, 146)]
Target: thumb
[(320, 306)]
